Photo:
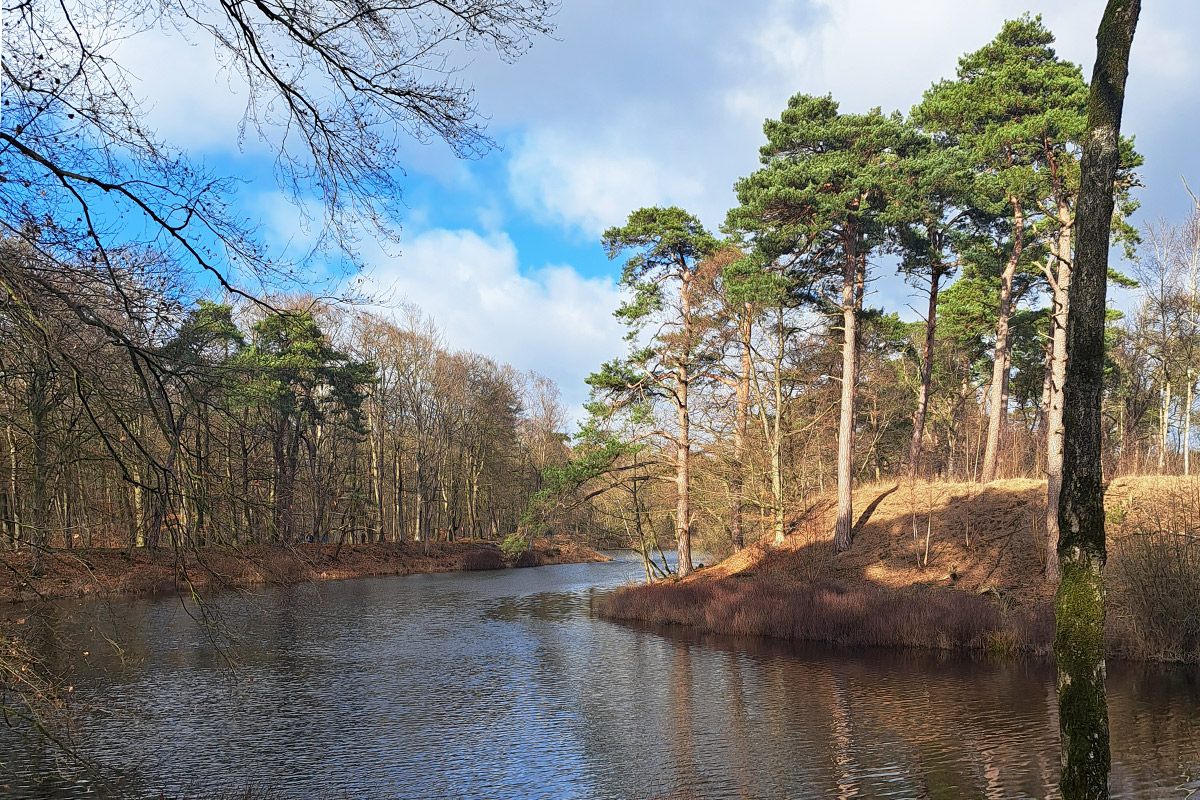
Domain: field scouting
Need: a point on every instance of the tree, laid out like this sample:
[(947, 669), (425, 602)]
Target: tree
[(1003, 96), (1079, 604), (668, 247), (302, 383), (335, 88), (940, 202), (819, 207)]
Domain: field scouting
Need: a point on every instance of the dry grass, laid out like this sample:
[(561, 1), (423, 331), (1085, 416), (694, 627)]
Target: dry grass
[(110, 573), (857, 616), (482, 559), (949, 565)]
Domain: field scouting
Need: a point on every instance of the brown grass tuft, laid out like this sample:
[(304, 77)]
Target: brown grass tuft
[(949, 566), (482, 559), (858, 616)]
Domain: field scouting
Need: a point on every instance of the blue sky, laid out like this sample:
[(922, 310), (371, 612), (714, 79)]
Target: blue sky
[(643, 103)]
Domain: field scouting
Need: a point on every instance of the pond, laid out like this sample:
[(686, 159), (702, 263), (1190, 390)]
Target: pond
[(502, 685)]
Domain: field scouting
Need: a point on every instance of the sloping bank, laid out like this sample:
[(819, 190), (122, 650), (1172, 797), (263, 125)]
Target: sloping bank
[(110, 573), (948, 566)]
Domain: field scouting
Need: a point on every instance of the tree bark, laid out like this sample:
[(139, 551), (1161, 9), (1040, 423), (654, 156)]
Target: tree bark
[(843, 535), (1187, 427), (1079, 605), (683, 531), (998, 400), (914, 451), (739, 440), (1058, 370)]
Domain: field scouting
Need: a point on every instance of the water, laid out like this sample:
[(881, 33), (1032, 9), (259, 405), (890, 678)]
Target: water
[(501, 685)]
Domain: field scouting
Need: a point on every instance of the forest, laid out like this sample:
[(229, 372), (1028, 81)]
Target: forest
[(284, 421), (903, 314), (769, 365), (178, 417)]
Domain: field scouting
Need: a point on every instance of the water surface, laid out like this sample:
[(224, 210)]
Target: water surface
[(502, 685)]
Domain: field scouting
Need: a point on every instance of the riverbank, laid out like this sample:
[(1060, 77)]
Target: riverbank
[(948, 566), (112, 573)]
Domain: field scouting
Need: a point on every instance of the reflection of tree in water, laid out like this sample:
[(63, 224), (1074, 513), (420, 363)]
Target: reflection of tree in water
[(682, 741), (788, 720)]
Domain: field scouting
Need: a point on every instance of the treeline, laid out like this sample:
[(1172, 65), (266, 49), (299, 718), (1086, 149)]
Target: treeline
[(168, 422), (761, 374)]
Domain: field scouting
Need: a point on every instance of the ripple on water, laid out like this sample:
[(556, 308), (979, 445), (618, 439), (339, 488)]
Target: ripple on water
[(500, 685)]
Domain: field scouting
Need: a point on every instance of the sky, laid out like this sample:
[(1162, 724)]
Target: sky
[(651, 103)]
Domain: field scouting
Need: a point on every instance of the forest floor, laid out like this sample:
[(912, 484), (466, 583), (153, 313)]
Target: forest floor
[(111, 572), (949, 566)]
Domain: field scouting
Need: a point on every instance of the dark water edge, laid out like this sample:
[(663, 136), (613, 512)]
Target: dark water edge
[(502, 685)]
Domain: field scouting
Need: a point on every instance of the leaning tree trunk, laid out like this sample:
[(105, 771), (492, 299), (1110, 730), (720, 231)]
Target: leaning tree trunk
[(1079, 606), (844, 531), (998, 399)]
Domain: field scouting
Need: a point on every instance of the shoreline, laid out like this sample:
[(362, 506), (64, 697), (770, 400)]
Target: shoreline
[(947, 566), (112, 574)]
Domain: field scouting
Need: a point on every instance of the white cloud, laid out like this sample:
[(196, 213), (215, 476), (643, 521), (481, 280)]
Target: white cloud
[(589, 187), (551, 319), (675, 114), (190, 100)]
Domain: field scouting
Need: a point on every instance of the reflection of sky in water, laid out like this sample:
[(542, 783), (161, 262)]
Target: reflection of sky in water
[(499, 685)]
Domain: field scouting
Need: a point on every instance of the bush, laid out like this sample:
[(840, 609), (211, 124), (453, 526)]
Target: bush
[(527, 558), (514, 544), (1157, 587), (862, 616), (483, 559)]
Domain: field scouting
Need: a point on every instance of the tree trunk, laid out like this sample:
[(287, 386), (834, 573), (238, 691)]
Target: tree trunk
[(1187, 426), (374, 435), (914, 451), (844, 531), (1058, 370), (1079, 605), (999, 394), (683, 530), (739, 440), (1164, 427), (15, 498), (39, 500)]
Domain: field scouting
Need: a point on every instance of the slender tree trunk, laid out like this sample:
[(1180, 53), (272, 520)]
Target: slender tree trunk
[(1187, 426), (914, 451), (1079, 606), (998, 401), (12, 488), (374, 436), (398, 498), (683, 529), (739, 439), (1058, 371), (844, 530), (1164, 427), (39, 505)]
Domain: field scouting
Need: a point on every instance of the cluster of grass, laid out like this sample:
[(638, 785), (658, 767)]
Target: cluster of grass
[(482, 559), (1154, 574), (858, 616)]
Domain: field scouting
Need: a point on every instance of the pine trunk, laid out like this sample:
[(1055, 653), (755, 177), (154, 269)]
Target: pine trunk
[(1054, 417), (914, 451), (998, 400), (843, 536)]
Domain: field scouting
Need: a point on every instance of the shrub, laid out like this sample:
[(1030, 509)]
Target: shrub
[(1157, 587), (527, 558), (482, 559), (825, 612), (513, 545)]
